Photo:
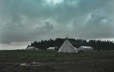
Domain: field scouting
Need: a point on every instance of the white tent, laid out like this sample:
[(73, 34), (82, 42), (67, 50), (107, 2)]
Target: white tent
[(67, 47), (51, 48), (31, 48), (85, 48)]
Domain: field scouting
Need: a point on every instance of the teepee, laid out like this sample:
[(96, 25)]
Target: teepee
[(67, 47)]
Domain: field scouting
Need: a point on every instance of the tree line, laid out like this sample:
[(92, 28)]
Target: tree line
[(96, 44)]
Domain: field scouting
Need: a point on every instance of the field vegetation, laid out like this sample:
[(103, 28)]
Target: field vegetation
[(51, 56)]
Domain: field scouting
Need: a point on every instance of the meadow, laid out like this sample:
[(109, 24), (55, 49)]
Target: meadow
[(52, 61), (51, 56)]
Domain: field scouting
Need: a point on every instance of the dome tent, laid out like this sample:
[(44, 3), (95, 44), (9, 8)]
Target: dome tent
[(85, 48), (32, 48)]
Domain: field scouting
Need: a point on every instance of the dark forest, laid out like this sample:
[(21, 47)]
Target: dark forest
[(96, 44)]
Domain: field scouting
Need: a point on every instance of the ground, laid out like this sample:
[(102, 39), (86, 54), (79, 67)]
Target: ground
[(56, 62)]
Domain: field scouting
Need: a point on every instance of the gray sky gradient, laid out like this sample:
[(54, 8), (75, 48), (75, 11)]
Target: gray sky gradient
[(29, 20)]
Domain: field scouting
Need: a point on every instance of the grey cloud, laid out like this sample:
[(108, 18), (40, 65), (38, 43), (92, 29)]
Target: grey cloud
[(18, 33), (47, 28), (95, 28), (27, 20)]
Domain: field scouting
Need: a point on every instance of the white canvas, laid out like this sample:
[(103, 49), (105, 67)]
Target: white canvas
[(85, 48), (67, 47), (32, 48)]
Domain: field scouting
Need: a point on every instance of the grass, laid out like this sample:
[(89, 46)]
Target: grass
[(50, 56)]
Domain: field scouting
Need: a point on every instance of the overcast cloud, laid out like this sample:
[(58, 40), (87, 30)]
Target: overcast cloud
[(29, 20)]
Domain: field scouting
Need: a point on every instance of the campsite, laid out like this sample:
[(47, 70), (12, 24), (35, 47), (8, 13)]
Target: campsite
[(56, 35), (66, 59)]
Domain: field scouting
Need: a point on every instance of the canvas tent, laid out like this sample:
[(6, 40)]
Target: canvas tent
[(51, 48), (31, 48), (67, 47), (85, 48)]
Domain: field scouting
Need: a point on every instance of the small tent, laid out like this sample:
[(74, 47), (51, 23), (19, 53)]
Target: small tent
[(31, 48), (67, 47), (51, 48), (85, 48)]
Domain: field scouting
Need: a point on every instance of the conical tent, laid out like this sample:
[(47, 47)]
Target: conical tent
[(67, 47)]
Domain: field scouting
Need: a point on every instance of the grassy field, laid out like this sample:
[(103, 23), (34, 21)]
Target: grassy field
[(50, 61), (51, 56)]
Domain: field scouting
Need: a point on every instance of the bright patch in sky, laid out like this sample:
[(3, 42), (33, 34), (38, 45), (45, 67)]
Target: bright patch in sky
[(54, 1), (104, 20)]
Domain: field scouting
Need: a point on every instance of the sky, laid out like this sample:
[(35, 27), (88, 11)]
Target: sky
[(24, 21)]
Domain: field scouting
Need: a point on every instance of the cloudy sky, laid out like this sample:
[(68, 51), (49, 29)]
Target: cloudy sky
[(23, 21)]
